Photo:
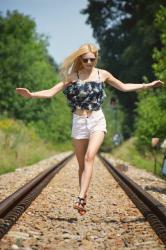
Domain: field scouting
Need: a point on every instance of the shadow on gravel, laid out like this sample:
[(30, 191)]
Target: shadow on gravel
[(155, 189), (70, 220), (125, 220), (142, 219)]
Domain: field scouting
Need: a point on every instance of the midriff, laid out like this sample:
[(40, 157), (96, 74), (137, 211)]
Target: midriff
[(83, 112)]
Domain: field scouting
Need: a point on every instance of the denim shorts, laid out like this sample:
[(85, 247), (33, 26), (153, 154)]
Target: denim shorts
[(83, 127)]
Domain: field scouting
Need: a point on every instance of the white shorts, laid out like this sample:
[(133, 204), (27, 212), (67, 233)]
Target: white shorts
[(83, 127)]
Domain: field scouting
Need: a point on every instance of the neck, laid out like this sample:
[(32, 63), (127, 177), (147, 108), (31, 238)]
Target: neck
[(87, 71)]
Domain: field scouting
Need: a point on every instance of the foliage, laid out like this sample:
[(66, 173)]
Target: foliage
[(56, 125), (151, 109), (20, 146), (25, 62), (128, 152), (160, 55), (115, 121), (126, 35), (151, 119)]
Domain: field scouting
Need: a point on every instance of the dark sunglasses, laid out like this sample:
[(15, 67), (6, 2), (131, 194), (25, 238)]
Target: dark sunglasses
[(85, 60)]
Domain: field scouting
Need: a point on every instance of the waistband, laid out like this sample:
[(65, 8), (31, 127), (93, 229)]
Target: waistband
[(86, 113)]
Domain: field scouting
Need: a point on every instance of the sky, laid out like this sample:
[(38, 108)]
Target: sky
[(60, 20)]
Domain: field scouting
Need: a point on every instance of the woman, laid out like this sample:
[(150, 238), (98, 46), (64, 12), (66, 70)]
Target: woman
[(83, 86)]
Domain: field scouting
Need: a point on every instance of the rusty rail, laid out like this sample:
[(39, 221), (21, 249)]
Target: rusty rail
[(152, 210), (13, 206)]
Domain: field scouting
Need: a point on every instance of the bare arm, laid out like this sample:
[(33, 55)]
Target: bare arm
[(126, 87), (48, 93)]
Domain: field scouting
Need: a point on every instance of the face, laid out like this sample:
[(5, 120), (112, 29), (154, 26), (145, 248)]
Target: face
[(88, 60)]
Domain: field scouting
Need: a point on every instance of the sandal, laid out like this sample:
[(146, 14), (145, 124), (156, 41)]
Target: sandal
[(82, 212), (85, 200), (79, 205)]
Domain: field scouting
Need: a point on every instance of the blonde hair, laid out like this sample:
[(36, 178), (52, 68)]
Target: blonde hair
[(73, 63)]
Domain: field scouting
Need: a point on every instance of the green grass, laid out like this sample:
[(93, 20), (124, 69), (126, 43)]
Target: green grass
[(60, 147), (21, 146), (129, 153), (23, 155)]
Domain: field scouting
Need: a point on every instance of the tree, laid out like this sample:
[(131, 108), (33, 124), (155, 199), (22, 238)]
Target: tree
[(151, 109), (126, 35), (25, 62)]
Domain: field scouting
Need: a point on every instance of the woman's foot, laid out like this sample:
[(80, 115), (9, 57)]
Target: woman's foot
[(82, 212), (80, 205), (84, 204), (85, 199)]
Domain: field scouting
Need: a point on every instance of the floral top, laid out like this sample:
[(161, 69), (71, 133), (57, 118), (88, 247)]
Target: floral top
[(85, 95)]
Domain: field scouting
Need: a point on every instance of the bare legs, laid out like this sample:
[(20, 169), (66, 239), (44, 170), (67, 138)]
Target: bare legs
[(86, 151), (80, 151)]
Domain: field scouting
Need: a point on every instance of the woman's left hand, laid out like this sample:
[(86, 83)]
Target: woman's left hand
[(156, 84)]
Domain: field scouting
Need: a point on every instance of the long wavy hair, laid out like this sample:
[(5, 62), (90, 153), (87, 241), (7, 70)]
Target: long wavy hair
[(73, 63)]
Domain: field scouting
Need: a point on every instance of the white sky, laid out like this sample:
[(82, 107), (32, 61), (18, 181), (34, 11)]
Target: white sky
[(59, 19)]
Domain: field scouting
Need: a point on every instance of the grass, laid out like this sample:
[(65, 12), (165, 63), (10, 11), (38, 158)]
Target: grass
[(129, 153), (61, 147), (21, 146)]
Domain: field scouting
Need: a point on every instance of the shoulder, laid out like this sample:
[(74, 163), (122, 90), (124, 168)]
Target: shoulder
[(72, 77), (105, 75)]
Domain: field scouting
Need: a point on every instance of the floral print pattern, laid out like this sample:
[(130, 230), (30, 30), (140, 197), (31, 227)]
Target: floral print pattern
[(87, 95)]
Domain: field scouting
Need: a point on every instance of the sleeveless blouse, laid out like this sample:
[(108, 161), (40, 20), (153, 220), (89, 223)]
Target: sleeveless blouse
[(85, 95)]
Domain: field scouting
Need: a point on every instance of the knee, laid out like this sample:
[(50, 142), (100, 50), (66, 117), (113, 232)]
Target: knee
[(81, 168), (89, 157)]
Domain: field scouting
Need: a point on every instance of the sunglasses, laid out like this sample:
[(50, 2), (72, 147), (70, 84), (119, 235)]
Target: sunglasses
[(85, 60)]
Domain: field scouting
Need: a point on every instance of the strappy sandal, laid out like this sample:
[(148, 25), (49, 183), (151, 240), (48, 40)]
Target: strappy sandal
[(82, 212), (85, 200), (80, 205)]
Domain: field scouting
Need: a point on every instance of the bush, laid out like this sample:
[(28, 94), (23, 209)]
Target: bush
[(20, 146)]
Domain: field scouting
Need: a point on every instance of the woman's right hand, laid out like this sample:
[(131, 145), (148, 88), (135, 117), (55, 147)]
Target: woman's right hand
[(24, 92)]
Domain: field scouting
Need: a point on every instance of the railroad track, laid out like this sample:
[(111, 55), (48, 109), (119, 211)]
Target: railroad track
[(152, 209), (13, 206)]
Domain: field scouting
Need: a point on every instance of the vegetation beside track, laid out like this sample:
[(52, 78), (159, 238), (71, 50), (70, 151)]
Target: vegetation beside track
[(21, 145), (128, 152)]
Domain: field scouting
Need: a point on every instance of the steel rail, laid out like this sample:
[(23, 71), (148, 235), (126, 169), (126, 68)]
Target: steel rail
[(14, 205), (152, 210)]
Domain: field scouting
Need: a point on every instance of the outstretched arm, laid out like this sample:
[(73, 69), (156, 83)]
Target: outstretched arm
[(126, 87), (48, 93)]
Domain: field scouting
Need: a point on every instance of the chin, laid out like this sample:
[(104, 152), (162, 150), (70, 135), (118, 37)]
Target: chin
[(89, 67)]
